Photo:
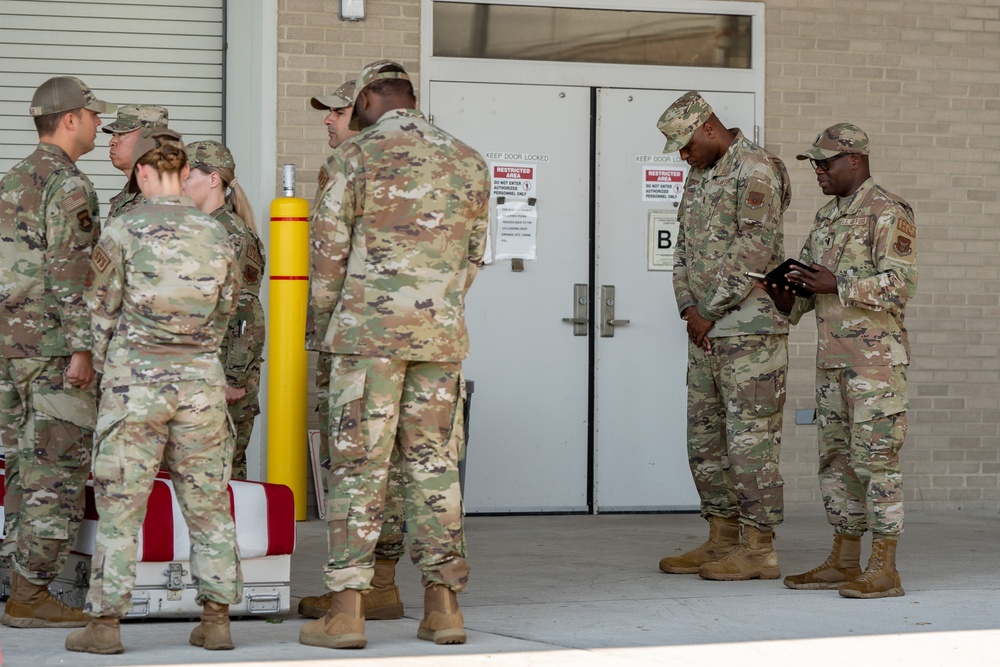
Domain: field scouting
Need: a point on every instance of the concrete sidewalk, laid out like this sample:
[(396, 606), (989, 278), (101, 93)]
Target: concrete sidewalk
[(585, 590)]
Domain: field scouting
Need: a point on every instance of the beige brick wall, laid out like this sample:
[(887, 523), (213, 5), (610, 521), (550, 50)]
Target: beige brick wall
[(316, 53), (923, 79)]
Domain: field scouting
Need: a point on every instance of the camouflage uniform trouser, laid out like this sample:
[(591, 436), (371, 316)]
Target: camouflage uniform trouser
[(378, 406), (184, 425), (391, 542), (861, 413), (47, 428), (243, 412), (735, 401)]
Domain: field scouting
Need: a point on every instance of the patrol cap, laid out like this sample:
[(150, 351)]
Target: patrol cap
[(209, 154), (151, 138), (842, 138), (65, 93), (341, 98), (682, 119), (369, 75), (132, 117)]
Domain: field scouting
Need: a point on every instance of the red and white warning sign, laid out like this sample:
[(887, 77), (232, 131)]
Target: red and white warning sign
[(514, 180), (662, 184)]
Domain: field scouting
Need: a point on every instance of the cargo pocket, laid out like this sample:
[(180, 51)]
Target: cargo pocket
[(877, 393), (760, 381), (347, 394), (455, 450), (109, 449), (76, 406)]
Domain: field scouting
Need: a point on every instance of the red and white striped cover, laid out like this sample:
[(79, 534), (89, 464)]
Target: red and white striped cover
[(264, 515)]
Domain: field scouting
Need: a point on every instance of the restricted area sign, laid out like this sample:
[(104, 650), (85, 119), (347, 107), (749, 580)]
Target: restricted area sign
[(518, 181), (662, 184)]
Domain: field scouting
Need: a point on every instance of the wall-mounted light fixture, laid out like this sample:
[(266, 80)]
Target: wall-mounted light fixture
[(352, 10)]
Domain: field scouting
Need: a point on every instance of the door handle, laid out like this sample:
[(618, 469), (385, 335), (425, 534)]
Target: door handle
[(608, 312), (581, 305)]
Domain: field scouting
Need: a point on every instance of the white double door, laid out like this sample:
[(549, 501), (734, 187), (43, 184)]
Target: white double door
[(586, 415)]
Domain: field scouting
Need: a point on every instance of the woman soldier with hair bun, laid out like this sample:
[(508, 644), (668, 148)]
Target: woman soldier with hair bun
[(163, 289), (212, 171)]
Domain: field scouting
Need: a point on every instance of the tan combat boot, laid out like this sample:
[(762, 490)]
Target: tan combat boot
[(213, 631), (841, 566), (880, 579), (342, 627), (315, 606), (102, 635), (442, 622), (32, 606), (755, 558), (723, 538), (383, 602)]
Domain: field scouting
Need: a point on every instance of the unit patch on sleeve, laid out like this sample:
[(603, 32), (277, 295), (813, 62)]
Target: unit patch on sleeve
[(755, 199)]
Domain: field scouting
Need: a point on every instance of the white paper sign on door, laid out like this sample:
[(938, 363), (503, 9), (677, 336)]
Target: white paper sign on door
[(517, 230), (662, 184), (516, 181), (663, 227)]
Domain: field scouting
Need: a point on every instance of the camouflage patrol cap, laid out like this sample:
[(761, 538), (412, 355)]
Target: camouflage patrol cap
[(65, 93), (682, 119), (210, 154), (132, 117), (341, 98), (839, 139), (369, 75), (150, 139)]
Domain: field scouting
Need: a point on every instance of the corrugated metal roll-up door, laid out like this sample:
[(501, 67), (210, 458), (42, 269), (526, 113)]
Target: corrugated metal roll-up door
[(128, 52)]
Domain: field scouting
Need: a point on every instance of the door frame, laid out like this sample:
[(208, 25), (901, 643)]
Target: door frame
[(596, 76)]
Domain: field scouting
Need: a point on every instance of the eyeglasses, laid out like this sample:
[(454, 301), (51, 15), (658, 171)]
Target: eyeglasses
[(824, 165)]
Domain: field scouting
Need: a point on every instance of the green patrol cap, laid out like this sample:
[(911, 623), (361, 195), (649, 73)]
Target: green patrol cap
[(682, 118), (132, 117), (65, 93), (341, 98), (209, 154), (369, 75), (839, 139), (150, 139)]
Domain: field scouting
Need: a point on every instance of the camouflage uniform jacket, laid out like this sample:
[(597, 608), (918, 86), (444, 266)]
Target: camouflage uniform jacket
[(244, 341), (397, 238), (731, 222), (48, 226), (125, 202), (165, 286), (871, 247)]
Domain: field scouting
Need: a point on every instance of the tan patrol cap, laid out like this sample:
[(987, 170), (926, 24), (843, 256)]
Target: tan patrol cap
[(369, 75), (342, 97), (65, 93), (839, 139), (151, 138), (132, 117), (682, 119)]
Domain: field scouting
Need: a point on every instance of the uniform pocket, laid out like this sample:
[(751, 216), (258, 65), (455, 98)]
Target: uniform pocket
[(347, 394), (878, 392), (760, 380)]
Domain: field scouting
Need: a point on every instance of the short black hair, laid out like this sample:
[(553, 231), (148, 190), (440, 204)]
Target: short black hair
[(391, 87)]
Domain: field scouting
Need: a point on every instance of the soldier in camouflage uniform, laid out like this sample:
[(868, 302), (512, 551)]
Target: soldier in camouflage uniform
[(383, 600), (49, 223), (730, 223), (164, 288), (124, 132), (397, 238), (862, 251), (212, 170)]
